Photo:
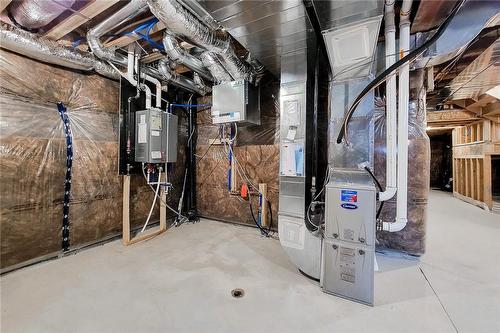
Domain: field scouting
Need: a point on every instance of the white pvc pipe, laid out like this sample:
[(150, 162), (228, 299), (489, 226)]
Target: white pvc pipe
[(132, 64), (154, 201), (391, 111), (142, 86), (402, 144), (159, 89)]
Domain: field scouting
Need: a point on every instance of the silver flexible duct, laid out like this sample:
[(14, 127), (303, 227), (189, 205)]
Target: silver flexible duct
[(132, 9), (213, 64), (39, 48), (165, 72), (181, 56), (33, 14), (182, 23)]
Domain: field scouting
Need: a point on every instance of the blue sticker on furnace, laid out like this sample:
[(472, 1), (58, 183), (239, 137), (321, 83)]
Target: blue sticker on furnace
[(349, 196)]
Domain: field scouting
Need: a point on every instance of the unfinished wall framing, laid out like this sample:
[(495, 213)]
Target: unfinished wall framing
[(473, 148)]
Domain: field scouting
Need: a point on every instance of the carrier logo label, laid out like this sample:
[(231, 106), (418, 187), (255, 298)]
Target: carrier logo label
[(349, 196), (349, 206)]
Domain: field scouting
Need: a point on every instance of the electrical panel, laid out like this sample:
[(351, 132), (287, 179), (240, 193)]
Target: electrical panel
[(349, 244), (235, 101), (156, 134)]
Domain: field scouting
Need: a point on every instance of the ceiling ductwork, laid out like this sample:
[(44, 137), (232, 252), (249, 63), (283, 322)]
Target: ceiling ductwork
[(168, 75), (472, 17), (39, 48), (182, 23), (132, 9), (34, 14), (179, 55), (213, 64), (163, 72)]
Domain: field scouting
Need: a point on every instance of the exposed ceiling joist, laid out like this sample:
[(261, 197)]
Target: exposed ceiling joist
[(450, 118), (4, 4), (125, 40), (77, 19)]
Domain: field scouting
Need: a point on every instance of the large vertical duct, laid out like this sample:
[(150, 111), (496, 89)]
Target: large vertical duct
[(296, 237), (34, 14)]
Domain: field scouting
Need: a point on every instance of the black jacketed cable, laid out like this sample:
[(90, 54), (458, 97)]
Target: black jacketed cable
[(264, 231), (379, 210), (389, 71)]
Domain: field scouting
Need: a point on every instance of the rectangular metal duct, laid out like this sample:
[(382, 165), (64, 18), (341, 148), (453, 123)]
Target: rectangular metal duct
[(480, 76)]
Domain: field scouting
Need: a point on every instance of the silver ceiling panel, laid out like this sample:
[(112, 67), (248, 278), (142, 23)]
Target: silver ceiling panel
[(338, 13), (268, 29), (480, 76)]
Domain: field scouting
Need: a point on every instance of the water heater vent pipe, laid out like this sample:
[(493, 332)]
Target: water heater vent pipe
[(391, 110), (402, 144)]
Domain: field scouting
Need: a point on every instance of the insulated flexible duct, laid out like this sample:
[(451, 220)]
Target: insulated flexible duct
[(166, 73), (179, 55), (39, 48), (182, 23), (132, 9), (213, 64), (34, 14)]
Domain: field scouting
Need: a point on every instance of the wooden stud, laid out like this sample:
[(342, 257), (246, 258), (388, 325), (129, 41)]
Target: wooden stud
[(126, 210), (148, 234), (77, 19), (487, 191), (264, 209), (455, 175), (4, 4), (163, 207), (473, 183), (478, 179), (467, 178)]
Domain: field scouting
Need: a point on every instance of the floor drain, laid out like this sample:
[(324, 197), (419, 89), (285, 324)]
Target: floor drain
[(237, 293)]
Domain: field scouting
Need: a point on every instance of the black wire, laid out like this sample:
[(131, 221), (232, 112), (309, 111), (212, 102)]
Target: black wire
[(271, 213), (264, 231), (381, 78), (379, 210)]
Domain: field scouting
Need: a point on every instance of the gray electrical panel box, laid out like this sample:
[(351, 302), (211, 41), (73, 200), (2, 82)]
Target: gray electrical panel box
[(235, 101), (349, 244), (155, 136)]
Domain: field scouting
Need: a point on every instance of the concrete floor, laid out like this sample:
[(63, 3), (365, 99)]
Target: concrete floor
[(181, 282)]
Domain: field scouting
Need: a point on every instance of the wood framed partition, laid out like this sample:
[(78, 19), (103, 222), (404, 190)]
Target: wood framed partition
[(473, 146)]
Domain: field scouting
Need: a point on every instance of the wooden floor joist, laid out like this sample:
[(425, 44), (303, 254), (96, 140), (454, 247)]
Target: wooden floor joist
[(4, 4), (77, 19)]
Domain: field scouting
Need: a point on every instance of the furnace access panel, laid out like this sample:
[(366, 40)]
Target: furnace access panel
[(349, 244)]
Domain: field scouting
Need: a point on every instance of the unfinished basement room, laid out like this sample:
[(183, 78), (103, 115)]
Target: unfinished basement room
[(249, 166)]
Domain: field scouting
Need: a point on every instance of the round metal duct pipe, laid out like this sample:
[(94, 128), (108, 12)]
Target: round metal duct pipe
[(34, 14)]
